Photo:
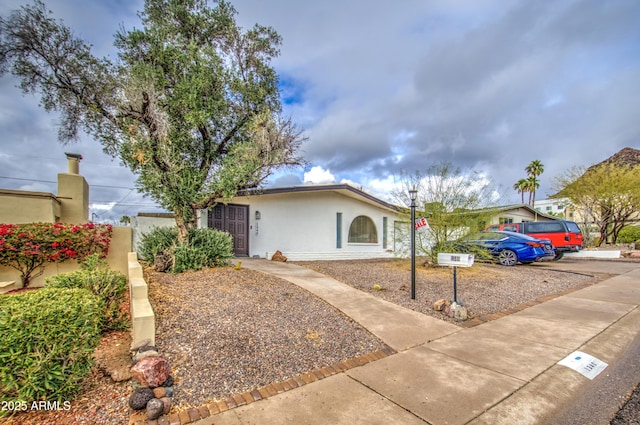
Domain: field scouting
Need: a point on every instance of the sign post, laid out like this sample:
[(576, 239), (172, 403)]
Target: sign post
[(455, 260)]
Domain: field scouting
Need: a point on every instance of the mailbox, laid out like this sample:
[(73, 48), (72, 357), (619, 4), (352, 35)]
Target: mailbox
[(460, 260)]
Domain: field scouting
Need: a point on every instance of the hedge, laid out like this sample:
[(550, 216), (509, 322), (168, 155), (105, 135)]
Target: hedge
[(47, 340), (110, 285)]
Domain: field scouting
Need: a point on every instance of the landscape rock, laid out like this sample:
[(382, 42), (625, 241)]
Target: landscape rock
[(160, 392), (277, 256), (147, 347), (458, 312), (155, 407), (167, 405), (151, 371), (140, 397), (168, 382), (143, 342), (440, 305), (144, 354)]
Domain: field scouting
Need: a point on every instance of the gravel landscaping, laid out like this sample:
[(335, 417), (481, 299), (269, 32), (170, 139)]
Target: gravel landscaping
[(225, 331), (483, 289)]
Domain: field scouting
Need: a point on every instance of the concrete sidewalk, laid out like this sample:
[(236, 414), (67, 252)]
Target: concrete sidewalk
[(500, 372)]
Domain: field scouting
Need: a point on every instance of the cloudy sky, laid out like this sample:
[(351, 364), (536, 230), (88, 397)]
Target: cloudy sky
[(380, 87)]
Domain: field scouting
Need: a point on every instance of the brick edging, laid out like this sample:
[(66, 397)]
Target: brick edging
[(236, 400)]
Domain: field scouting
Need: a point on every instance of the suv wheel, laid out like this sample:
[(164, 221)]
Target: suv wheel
[(508, 257), (558, 256)]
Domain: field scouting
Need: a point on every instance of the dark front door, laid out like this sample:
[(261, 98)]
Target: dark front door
[(235, 220)]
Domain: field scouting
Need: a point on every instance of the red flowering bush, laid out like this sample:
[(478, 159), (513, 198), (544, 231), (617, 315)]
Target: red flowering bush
[(28, 247)]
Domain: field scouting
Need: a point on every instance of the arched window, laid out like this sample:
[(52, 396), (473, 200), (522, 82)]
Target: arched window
[(362, 230)]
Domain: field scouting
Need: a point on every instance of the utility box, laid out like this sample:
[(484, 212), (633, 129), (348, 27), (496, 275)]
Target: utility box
[(459, 260)]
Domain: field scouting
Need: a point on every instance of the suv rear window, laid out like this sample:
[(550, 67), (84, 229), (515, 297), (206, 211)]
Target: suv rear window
[(544, 227), (573, 227)]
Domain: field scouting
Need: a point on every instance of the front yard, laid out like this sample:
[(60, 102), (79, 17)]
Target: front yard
[(225, 331)]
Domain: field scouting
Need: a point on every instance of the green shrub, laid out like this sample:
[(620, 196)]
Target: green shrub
[(204, 248), (629, 234), (216, 246), (156, 241), (109, 285), (48, 338)]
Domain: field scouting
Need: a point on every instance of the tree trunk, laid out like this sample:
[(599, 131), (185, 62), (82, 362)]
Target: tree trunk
[(185, 224)]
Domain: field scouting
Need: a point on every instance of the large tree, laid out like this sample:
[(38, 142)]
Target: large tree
[(192, 106), (607, 194), (454, 202)]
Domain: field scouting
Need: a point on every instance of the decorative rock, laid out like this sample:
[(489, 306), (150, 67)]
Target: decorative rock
[(168, 382), (458, 312), (440, 305), (167, 405), (169, 391), (141, 343), (144, 354), (147, 347), (160, 392), (155, 407), (151, 371), (140, 397), (277, 256)]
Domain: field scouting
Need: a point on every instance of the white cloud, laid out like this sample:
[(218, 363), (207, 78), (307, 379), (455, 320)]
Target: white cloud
[(319, 175)]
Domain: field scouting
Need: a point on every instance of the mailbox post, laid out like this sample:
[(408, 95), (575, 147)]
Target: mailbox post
[(455, 260)]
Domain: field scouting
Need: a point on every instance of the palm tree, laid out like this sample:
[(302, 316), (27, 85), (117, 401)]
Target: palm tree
[(521, 187), (532, 183), (534, 169)]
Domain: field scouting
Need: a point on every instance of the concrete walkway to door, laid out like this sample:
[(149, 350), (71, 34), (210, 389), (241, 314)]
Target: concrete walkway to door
[(500, 372)]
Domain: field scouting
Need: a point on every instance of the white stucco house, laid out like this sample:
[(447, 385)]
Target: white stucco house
[(315, 222), (309, 222)]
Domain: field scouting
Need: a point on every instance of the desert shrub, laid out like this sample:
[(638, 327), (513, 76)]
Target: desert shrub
[(629, 234), (204, 248), (159, 239), (109, 285), (48, 338)]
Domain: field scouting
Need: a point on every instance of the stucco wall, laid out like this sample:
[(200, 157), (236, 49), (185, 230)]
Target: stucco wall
[(119, 248), (144, 223), (304, 226), (19, 207)]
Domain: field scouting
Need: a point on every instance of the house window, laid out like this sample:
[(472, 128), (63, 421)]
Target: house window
[(338, 230), (362, 230), (384, 232), (506, 220), (549, 207)]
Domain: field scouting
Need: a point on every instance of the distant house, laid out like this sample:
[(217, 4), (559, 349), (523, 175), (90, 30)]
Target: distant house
[(517, 213)]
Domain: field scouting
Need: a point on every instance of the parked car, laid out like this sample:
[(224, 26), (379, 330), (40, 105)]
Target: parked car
[(565, 235), (507, 248)]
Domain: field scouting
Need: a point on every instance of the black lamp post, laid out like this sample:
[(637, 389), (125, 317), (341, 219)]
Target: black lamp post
[(413, 193)]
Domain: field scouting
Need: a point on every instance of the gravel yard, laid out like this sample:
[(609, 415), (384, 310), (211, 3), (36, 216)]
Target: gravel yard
[(225, 331), (484, 289)]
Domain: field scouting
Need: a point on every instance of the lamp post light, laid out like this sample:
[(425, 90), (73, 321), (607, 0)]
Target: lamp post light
[(413, 193)]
